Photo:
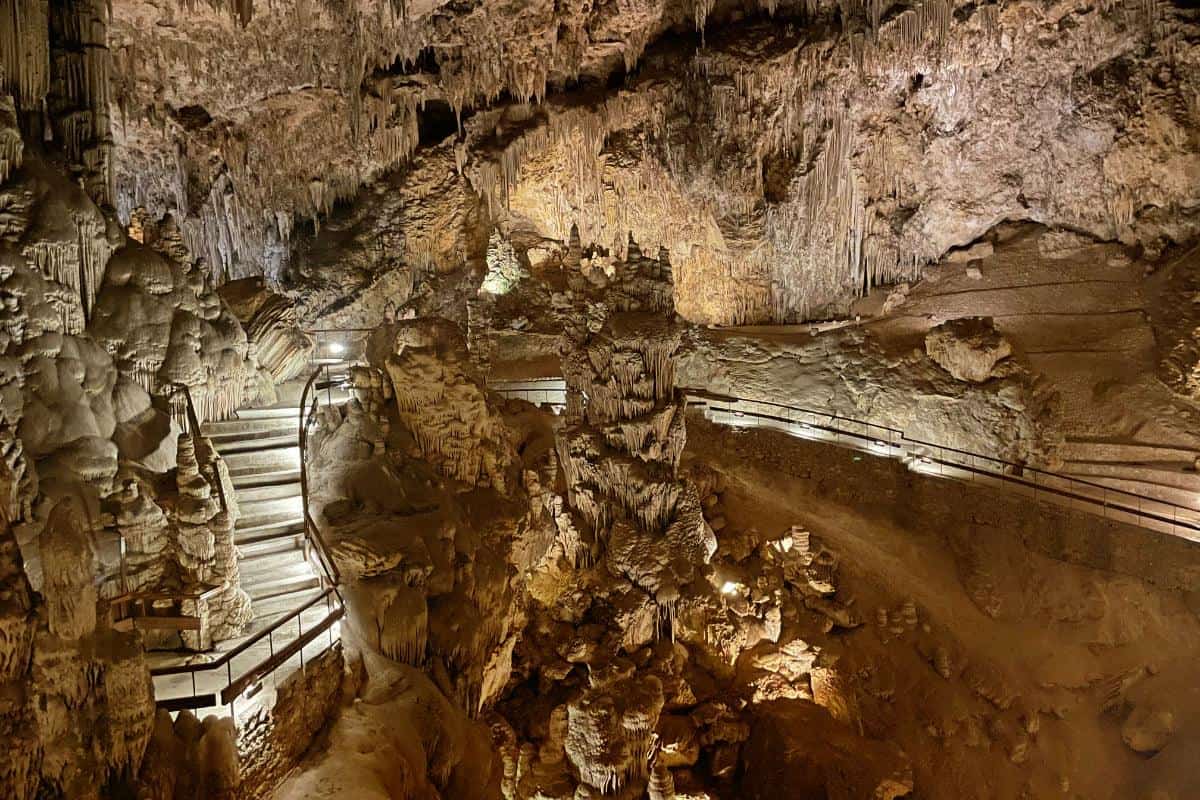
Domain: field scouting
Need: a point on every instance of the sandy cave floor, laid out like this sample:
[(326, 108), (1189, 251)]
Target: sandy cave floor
[(1057, 661)]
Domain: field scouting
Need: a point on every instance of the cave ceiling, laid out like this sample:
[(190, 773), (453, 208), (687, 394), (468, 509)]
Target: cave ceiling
[(787, 157)]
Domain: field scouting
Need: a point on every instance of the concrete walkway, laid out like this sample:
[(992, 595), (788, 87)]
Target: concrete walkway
[(1110, 502)]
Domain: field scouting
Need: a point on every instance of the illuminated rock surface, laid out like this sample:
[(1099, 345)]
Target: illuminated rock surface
[(935, 261)]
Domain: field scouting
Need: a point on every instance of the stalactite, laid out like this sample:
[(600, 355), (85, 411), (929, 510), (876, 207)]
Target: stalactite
[(25, 52), (78, 265), (12, 146)]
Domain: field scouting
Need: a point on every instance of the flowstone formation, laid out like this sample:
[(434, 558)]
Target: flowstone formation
[(79, 705), (443, 407), (97, 332), (73, 416), (164, 324), (416, 486)]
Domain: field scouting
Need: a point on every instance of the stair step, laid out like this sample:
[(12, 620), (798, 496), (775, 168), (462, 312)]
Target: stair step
[(258, 462), (258, 534), (270, 412), (264, 519), (283, 543), (251, 508), (256, 444), (233, 427), (275, 478), (283, 603), (273, 491), (282, 586), (272, 568), (249, 440)]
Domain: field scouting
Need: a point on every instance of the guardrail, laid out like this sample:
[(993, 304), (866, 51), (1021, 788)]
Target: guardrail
[(308, 415), (245, 680), (228, 680), (921, 456)]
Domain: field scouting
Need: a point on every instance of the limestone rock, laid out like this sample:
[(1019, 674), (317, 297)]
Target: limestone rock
[(1147, 729), (443, 407), (968, 348)]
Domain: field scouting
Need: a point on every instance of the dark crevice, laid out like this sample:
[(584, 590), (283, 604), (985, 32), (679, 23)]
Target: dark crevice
[(193, 117), (436, 121)]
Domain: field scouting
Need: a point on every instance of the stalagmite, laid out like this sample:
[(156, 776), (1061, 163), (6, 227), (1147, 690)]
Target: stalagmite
[(143, 528), (443, 408), (621, 447), (68, 564)]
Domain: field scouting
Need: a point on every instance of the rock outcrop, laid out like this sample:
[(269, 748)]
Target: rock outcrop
[(80, 704), (968, 348)]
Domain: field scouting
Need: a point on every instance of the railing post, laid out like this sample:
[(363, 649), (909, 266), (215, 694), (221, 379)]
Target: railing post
[(124, 569)]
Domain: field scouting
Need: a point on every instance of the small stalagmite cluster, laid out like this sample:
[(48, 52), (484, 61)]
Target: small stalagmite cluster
[(205, 515)]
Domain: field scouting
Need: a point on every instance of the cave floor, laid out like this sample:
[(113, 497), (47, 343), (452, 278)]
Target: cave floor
[(1061, 635)]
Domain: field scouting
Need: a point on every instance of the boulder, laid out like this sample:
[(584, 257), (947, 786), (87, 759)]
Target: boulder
[(1147, 730), (968, 348)]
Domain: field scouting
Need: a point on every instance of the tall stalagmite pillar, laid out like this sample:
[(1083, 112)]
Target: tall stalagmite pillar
[(625, 434)]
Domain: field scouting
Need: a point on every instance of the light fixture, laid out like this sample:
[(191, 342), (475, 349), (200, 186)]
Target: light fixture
[(337, 348)]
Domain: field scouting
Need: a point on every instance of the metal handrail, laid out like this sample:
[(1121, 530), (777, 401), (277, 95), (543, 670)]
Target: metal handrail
[(1025, 475), (311, 531), (1008, 471), (229, 655), (193, 421), (331, 596), (245, 679), (900, 435)]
